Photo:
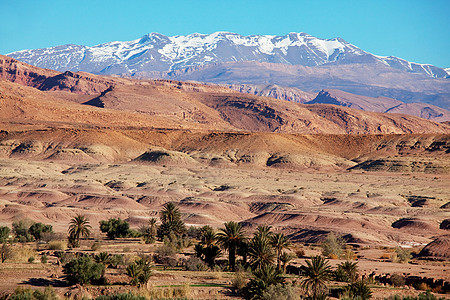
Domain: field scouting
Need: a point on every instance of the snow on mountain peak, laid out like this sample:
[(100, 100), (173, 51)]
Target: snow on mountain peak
[(157, 52)]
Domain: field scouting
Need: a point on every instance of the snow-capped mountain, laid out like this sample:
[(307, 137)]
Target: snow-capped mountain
[(157, 52)]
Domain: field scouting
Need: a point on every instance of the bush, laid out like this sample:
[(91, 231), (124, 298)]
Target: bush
[(64, 257), (165, 251), (299, 252), (83, 270), (20, 229), (402, 255), (5, 252), (359, 290), (57, 245), (116, 260), (28, 294), (115, 228), (124, 296), (95, 246), (239, 280), (31, 259), (4, 234), (397, 280), (22, 253), (280, 292), (37, 229), (333, 246), (44, 259), (194, 264)]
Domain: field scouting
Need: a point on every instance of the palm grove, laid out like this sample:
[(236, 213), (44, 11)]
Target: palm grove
[(259, 261)]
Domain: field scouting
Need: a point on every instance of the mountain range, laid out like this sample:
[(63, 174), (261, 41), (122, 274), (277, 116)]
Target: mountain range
[(32, 94), (295, 60)]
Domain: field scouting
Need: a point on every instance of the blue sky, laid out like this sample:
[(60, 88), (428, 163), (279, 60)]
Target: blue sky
[(411, 29)]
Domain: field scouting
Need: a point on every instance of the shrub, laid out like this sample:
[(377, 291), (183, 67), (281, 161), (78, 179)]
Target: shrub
[(83, 270), (37, 229), (280, 292), (28, 294), (124, 296), (64, 257), (44, 259), (359, 290), (397, 280), (300, 252), (116, 260), (4, 234), (5, 252), (239, 280), (333, 246), (20, 229), (165, 251), (115, 228), (57, 245), (22, 253), (95, 246), (402, 255), (194, 264), (31, 259)]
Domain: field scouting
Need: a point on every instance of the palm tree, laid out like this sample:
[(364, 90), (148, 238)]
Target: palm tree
[(171, 221), (280, 242), (285, 258), (208, 236), (264, 231), (260, 252), (360, 290), (350, 270), (263, 278), (79, 227), (229, 238), (316, 273)]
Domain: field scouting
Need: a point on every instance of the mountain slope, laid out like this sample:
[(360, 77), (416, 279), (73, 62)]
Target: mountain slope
[(98, 100), (381, 104), (157, 52), (295, 60)]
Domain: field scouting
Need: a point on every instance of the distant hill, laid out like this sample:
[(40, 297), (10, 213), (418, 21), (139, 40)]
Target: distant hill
[(98, 100)]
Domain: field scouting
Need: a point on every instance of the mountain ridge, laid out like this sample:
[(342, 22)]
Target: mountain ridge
[(158, 52), (98, 100)]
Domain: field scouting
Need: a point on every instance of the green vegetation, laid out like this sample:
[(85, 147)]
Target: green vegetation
[(115, 228), (27, 231), (28, 294), (171, 223), (5, 252), (79, 227), (124, 296), (230, 238), (139, 272), (316, 274), (4, 234), (333, 246), (37, 230), (83, 270)]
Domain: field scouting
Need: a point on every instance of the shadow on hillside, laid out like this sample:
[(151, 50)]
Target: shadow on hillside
[(45, 282)]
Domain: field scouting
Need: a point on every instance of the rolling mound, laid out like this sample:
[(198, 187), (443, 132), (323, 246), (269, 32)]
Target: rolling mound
[(437, 249)]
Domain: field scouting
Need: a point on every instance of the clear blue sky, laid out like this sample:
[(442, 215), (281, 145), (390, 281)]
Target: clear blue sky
[(416, 30)]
